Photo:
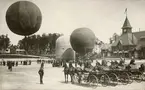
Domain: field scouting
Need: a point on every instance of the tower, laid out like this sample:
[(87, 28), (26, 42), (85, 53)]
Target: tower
[(126, 27)]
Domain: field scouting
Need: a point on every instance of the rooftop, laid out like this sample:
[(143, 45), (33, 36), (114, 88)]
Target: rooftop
[(126, 24)]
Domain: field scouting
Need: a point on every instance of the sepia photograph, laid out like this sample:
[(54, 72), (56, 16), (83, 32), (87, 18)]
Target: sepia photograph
[(72, 44)]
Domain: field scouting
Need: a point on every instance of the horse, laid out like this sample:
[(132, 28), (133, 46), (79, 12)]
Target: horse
[(71, 71), (66, 72)]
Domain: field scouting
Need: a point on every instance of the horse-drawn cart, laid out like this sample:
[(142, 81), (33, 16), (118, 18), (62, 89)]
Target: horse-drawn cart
[(93, 78), (119, 75), (107, 76), (125, 75)]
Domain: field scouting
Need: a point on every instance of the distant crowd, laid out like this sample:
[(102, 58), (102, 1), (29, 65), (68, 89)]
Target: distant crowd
[(11, 64), (39, 61)]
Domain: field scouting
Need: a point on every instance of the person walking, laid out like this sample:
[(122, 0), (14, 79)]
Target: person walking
[(16, 63), (41, 72), (4, 63), (10, 65)]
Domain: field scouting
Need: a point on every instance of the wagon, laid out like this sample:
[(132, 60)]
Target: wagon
[(125, 75), (136, 74), (108, 76), (119, 75), (92, 78)]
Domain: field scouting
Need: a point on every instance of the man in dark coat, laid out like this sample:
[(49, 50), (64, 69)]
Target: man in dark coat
[(4, 63), (132, 62), (10, 65), (41, 73), (16, 63), (104, 62)]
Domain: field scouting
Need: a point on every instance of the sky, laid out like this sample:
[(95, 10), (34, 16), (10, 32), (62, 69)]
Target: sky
[(103, 17)]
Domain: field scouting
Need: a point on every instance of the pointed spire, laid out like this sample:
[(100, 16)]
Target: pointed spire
[(126, 24)]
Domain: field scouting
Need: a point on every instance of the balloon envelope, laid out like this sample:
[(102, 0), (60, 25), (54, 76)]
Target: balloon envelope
[(68, 55), (23, 18), (82, 40), (63, 49)]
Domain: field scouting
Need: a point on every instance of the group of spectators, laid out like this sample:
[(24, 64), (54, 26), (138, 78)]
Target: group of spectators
[(11, 64), (39, 61), (6, 63), (26, 62)]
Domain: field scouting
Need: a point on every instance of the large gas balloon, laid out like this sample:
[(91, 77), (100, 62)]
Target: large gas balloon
[(82, 40), (23, 18), (63, 49), (68, 55)]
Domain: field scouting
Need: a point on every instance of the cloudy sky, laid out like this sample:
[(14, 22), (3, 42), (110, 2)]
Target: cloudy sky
[(104, 17)]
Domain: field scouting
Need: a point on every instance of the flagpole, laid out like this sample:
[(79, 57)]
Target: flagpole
[(126, 12)]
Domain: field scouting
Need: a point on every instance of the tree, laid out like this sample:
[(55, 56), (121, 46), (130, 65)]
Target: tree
[(39, 44), (113, 38), (4, 42), (13, 48)]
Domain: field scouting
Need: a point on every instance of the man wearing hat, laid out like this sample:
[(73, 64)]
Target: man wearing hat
[(132, 62), (41, 72), (104, 62)]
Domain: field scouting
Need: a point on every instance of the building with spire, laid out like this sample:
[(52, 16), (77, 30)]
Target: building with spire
[(129, 43)]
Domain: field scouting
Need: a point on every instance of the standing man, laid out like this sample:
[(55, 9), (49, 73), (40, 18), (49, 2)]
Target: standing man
[(104, 62), (16, 63), (41, 72), (4, 63), (10, 65), (132, 61)]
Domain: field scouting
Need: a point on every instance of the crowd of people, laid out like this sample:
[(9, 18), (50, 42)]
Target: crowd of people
[(11, 64), (85, 66), (26, 62), (39, 61)]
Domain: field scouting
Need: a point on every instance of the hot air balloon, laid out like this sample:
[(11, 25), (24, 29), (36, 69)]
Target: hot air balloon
[(82, 40), (63, 49), (68, 55), (23, 18)]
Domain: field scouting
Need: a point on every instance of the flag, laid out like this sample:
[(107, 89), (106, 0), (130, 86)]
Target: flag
[(125, 11)]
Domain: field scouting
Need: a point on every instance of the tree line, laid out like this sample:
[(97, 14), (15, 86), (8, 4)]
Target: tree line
[(39, 44), (33, 44), (4, 42)]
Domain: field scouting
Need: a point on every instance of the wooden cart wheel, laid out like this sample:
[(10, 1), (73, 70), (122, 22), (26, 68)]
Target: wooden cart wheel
[(124, 78), (113, 78), (105, 80), (139, 77), (143, 76), (131, 77), (93, 81)]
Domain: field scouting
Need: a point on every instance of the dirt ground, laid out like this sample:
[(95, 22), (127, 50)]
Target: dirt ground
[(27, 78)]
